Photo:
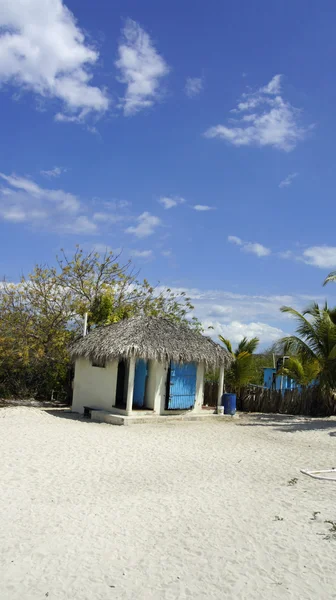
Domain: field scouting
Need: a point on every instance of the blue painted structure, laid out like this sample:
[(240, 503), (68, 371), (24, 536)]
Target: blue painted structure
[(181, 388), (140, 376), (272, 381), (229, 402)]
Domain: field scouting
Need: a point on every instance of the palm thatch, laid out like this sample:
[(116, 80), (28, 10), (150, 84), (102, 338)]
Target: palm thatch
[(149, 338)]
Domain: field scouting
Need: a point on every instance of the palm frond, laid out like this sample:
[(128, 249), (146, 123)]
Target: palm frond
[(248, 345), (226, 343), (330, 277)]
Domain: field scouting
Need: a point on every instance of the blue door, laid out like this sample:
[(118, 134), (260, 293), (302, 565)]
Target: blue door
[(181, 392), (140, 383)]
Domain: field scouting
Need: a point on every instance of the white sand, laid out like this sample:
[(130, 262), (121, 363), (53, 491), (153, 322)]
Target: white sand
[(172, 511)]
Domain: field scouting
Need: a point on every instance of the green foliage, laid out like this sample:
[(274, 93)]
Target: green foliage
[(302, 370), (40, 316), (314, 346), (259, 361), (242, 369)]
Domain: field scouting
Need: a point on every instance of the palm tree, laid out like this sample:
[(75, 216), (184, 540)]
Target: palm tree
[(303, 371), (315, 341), (241, 371), (330, 277)]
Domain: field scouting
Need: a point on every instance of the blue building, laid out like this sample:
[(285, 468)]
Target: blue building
[(272, 381)]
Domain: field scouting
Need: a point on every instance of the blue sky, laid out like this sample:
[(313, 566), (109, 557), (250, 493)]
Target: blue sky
[(196, 136)]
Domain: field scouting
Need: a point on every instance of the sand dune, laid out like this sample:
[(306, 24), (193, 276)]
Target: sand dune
[(172, 511)]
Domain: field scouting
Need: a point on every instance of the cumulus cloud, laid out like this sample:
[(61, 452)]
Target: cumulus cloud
[(193, 86), (141, 69), (146, 226), (237, 330), (263, 118), (288, 180), (323, 257), (43, 50), (171, 201), (235, 315), (250, 247)]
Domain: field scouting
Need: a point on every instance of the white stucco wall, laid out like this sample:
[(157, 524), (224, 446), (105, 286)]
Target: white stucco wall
[(199, 388), (94, 386), (156, 386)]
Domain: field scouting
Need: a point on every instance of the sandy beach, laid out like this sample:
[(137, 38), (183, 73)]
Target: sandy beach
[(172, 511)]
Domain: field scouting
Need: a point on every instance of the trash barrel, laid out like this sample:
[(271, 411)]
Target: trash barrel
[(229, 403)]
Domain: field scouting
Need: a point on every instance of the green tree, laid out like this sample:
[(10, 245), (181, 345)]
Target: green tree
[(241, 371), (259, 361), (314, 342), (108, 291)]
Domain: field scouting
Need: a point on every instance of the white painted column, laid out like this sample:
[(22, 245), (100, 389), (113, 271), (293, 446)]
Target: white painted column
[(130, 385), (199, 388), (220, 386)]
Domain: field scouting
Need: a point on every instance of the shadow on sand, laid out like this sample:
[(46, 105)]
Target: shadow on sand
[(65, 413), (288, 423)]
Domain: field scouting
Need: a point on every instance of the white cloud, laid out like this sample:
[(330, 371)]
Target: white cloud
[(235, 240), (323, 257), (250, 247), (141, 69), (55, 172), (288, 180), (202, 207), (193, 86), (270, 120), (255, 248), (146, 225), (24, 201), (26, 188), (235, 315), (43, 50), (81, 224), (217, 310), (166, 253), (142, 253), (171, 201), (235, 331)]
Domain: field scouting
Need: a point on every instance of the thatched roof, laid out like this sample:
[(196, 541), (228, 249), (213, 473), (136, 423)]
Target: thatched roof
[(149, 338)]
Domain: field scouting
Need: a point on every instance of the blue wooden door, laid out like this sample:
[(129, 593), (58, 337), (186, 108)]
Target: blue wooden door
[(182, 386), (140, 383)]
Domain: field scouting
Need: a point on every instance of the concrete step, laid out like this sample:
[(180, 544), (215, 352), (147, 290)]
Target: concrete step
[(105, 417)]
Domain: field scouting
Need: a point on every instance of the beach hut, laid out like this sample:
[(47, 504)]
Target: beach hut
[(147, 364)]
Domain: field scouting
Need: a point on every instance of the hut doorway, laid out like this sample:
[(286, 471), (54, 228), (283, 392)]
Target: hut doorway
[(181, 386), (121, 381), (140, 382)]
